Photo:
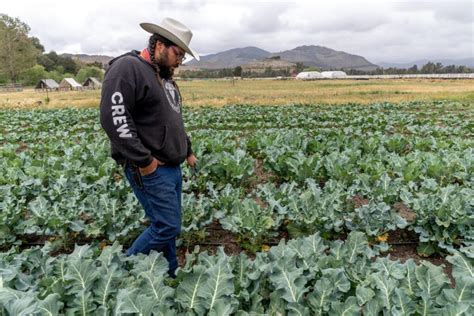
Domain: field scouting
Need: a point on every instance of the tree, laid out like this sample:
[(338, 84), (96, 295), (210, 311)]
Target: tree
[(238, 71), (89, 71), (299, 67), (33, 75), (428, 68), (463, 69), (17, 50), (51, 61), (69, 64), (36, 42), (438, 68), (97, 64), (45, 61), (413, 69)]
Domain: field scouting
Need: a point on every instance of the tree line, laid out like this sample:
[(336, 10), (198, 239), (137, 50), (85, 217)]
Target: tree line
[(269, 72), (428, 68), (23, 58)]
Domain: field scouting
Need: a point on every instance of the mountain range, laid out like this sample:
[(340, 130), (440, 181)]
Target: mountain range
[(317, 56), (310, 55)]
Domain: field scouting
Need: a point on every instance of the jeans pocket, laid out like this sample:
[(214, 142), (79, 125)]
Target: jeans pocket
[(153, 174)]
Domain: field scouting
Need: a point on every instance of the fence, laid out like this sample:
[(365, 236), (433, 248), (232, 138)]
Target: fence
[(11, 87)]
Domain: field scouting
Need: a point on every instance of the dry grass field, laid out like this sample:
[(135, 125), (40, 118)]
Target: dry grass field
[(270, 92)]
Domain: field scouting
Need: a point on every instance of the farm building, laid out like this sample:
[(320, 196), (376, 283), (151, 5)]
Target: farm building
[(69, 84), (308, 75), (92, 83), (47, 84), (333, 74)]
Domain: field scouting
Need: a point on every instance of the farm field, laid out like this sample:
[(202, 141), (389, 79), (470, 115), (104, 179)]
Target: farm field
[(294, 210), (271, 92)]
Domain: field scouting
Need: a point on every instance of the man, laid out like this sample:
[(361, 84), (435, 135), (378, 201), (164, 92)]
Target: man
[(140, 110)]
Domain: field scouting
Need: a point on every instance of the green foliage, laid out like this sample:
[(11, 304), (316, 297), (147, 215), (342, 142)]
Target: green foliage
[(306, 275), (33, 75), (261, 171), (53, 62), (89, 71), (238, 71), (18, 52)]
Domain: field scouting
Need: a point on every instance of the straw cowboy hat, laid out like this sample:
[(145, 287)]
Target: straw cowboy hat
[(174, 31)]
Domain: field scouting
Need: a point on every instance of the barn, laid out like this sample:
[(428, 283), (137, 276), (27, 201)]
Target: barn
[(69, 84), (92, 83), (47, 84)]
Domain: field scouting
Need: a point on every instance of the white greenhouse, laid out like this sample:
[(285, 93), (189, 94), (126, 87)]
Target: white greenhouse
[(308, 75), (333, 74)]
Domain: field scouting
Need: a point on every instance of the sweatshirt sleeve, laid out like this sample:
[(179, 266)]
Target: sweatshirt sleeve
[(190, 150), (115, 107)]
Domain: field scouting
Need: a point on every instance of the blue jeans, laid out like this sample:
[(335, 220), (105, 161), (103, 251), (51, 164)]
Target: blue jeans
[(160, 195)]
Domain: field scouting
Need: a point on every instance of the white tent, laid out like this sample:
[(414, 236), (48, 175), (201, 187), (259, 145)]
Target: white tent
[(47, 84), (69, 84), (333, 74), (92, 83), (308, 75)]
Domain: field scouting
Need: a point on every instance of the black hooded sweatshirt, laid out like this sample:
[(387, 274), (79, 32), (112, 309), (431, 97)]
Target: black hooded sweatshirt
[(142, 118)]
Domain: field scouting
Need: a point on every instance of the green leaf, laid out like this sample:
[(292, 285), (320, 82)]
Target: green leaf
[(51, 305), (349, 307), (218, 285), (409, 282), (389, 268), (386, 286), (373, 307), (129, 302), (289, 281), (462, 266), (426, 249), (431, 279), (356, 244), (189, 287), (277, 305), (154, 263), (82, 304), (320, 299), (364, 294), (107, 285), (296, 309), (338, 279), (152, 286), (427, 308), (82, 274), (402, 303), (462, 293)]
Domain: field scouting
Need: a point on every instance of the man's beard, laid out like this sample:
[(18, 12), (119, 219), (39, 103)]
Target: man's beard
[(165, 71)]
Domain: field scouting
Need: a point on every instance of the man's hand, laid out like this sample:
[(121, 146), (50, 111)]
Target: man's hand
[(151, 167), (191, 160)]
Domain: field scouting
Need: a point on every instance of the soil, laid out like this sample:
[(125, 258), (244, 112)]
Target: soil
[(403, 245), (216, 237), (261, 175), (404, 211), (21, 148), (359, 201), (117, 177)]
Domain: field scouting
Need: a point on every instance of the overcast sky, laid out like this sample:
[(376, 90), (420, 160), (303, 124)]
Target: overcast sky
[(379, 30)]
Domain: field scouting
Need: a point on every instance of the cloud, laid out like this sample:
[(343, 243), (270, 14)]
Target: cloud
[(263, 18), (456, 11), (391, 31)]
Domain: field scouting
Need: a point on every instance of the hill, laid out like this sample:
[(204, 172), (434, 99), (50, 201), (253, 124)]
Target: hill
[(319, 56)]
